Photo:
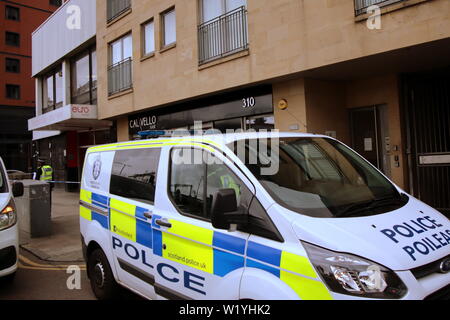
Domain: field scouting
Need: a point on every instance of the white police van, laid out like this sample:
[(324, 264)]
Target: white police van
[(9, 234), (255, 216)]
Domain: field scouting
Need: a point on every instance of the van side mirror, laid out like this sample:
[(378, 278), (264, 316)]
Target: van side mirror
[(225, 214), (17, 189)]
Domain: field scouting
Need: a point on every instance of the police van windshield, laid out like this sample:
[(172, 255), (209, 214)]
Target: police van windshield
[(318, 177)]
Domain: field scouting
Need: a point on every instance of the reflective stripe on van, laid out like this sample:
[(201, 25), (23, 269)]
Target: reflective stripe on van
[(208, 251)]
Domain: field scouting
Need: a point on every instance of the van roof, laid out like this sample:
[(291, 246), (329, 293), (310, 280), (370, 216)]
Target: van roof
[(215, 139)]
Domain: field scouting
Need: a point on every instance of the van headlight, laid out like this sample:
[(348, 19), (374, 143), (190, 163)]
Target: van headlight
[(8, 216), (352, 275)]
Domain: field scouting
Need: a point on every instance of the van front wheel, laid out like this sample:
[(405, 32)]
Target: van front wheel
[(102, 279)]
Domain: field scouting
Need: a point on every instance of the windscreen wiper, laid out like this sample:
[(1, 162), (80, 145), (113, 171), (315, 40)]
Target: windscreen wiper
[(353, 209)]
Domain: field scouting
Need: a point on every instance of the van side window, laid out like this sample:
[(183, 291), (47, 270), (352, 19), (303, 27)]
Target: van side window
[(134, 174), (196, 176), (187, 175)]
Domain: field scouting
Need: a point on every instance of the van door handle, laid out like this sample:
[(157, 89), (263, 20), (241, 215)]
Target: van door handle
[(163, 223), (148, 215)]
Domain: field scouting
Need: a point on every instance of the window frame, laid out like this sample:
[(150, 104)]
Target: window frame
[(169, 180), (89, 52), (205, 186), (162, 37), (270, 232), (201, 16), (12, 59), (145, 54), (146, 201), (110, 49), (15, 86), (52, 74), (55, 3), (8, 7), (118, 14), (11, 44)]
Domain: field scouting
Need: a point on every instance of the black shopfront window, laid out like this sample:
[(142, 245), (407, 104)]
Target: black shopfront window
[(134, 174), (84, 78), (243, 109)]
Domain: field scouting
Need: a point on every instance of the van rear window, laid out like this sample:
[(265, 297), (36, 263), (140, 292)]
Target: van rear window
[(134, 174)]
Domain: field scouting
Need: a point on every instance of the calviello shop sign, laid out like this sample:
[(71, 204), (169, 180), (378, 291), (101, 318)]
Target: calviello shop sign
[(142, 123)]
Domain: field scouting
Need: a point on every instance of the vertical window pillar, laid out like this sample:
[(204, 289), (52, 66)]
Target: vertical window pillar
[(66, 81), (39, 96)]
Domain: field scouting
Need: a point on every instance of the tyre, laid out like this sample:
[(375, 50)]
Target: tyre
[(102, 279)]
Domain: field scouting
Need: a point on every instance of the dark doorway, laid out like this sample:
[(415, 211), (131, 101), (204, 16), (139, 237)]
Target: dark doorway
[(426, 103), (370, 135)]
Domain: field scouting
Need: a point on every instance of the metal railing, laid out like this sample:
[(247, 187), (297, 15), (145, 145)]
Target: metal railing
[(120, 76), (362, 5), (115, 8), (222, 36)]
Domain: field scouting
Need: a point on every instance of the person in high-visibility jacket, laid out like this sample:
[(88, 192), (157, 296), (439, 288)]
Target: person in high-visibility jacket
[(227, 181), (44, 172)]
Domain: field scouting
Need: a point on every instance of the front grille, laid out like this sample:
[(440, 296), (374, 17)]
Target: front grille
[(426, 270), (8, 258), (442, 294)]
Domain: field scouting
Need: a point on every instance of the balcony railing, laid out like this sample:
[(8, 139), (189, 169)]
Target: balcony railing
[(222, 36), (116, 7), (120, 77), (362, 5)]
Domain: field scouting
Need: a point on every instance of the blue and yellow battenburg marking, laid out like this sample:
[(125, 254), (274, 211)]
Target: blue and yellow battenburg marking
[(96, 200), (204, 249), (294, 270), (128, 221)]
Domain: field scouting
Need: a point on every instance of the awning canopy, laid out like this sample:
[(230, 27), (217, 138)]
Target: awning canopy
[(69, 118)]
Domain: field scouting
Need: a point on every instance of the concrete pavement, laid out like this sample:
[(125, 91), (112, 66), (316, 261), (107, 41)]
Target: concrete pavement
[(64, 245)]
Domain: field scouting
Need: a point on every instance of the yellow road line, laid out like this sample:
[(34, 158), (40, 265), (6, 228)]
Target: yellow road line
[(21, 266), (48, 266)]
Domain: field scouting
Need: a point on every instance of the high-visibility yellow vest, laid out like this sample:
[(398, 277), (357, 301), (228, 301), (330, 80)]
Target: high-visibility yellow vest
[(47, 173), (229, 183)]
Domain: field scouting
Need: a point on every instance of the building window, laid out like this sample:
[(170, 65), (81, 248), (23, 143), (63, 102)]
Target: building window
[(53, 90), (56, 3), (12, 91), (84, 78), (115, 8), (12, 39), (134, 174), (12, 13), (169, 28), (120, 69), (223, 30), (361, 6), (148, 38), (12, 65)]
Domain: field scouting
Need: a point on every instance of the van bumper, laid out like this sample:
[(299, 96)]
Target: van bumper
[(9, 250)]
